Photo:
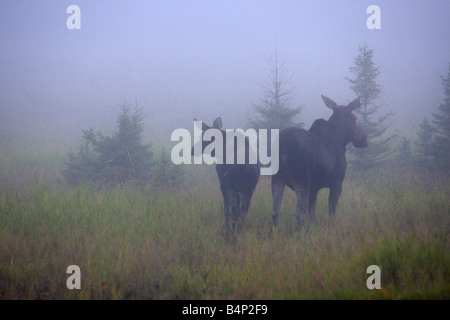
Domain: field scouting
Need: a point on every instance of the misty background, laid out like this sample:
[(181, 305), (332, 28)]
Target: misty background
[(203, 59)]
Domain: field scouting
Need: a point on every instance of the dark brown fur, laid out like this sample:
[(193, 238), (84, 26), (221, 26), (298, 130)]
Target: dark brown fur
[(315, 159), (237, 181)]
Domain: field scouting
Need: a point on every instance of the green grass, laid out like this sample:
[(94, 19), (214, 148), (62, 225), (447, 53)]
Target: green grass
[(149, 244)]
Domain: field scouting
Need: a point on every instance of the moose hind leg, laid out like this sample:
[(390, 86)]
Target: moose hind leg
[(277, 196), (227, 213), (302, 203)]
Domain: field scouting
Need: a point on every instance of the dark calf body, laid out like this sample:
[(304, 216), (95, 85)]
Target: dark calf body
[(237, 181), (237, 184), (315, 159)]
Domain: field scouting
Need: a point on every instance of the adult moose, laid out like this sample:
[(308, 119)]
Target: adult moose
[(315, 159), (237, 181)]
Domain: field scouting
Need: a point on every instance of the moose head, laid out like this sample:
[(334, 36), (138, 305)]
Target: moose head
[(344, 122), (217, 124)]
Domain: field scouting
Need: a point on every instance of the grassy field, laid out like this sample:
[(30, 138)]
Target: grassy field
[(150, 244)]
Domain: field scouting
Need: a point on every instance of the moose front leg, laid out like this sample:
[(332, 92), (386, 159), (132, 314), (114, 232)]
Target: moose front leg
[(245, 204), (335, 193), (227, 205), (236, 209), (312, 205)]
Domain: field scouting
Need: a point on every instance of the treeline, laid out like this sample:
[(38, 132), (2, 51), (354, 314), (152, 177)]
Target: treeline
[(434, 135), (428, 151), (123, 158)]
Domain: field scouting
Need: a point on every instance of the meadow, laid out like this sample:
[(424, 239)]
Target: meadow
[(170, 244)]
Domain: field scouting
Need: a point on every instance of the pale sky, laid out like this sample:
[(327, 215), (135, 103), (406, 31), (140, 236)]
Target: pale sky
[(202, 59)]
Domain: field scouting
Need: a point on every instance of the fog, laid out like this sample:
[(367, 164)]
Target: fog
[(203, 59)]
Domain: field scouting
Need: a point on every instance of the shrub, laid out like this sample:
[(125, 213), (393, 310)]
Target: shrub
[(111, 160), (166, 174)]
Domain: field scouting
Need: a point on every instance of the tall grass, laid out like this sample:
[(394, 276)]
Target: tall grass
[(149, 244)]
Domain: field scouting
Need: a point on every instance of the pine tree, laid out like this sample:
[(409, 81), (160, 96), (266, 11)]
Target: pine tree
[(166, 174), (403, 158), (365, 86), (425, 158), (441, 121), (274, 110), (434, 135)]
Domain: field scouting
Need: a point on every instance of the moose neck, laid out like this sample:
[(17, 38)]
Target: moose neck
[(337, 132)]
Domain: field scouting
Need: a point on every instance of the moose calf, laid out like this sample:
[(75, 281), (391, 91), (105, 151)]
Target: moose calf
[(237, 181)]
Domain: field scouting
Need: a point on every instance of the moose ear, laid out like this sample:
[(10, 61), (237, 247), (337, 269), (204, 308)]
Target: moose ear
[(355, 104), (329, 103), (204, 126), (217, 123)]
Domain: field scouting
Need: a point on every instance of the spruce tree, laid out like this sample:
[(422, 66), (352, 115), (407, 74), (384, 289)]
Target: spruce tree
[(165, 173), (274, 110), (403, 158), (365, 85), (434, 135), (441, 121), (425, 158), (117, 159)]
